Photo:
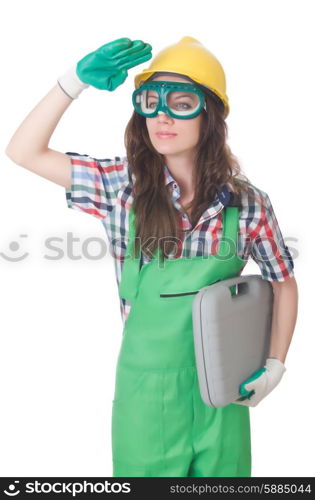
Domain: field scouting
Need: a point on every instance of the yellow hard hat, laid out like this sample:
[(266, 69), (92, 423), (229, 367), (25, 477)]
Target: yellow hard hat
[(189, 58)]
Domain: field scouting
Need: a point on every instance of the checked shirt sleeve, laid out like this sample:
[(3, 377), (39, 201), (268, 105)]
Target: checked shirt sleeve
[(95, 183), (268, 248)]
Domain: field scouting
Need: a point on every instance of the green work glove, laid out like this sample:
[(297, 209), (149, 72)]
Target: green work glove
[(106, 67), (261, 382)]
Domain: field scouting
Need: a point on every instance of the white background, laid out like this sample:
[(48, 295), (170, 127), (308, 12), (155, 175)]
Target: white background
[(60, 320)]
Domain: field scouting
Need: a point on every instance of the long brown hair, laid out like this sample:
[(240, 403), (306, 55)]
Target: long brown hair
[(156, 221)]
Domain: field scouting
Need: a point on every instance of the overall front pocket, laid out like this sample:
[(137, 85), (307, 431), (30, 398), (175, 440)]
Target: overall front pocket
[(166, 295)]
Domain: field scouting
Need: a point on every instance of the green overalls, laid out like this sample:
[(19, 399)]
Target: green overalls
[(160, 425)]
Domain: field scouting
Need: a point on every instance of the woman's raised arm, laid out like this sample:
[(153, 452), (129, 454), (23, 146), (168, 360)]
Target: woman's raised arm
[(106, 69), (28, 146)]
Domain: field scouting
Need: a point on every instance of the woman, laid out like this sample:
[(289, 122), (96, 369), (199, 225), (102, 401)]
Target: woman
[(165, 207)]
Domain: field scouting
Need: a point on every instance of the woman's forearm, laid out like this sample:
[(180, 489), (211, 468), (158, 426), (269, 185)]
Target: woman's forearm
[(34, 133), (284, 317)]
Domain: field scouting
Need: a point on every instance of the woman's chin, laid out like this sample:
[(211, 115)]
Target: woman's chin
[(165, 149)]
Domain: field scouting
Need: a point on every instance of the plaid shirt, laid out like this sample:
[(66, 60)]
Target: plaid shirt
[(103, 188)]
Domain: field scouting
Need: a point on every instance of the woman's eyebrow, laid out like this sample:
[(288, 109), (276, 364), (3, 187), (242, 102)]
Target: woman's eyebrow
[(178, 97), (184, 95)]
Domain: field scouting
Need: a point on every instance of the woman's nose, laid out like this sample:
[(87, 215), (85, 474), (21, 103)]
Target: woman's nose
[(162, 117)]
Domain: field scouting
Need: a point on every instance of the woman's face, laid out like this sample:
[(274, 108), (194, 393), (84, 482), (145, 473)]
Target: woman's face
[(185, 132)]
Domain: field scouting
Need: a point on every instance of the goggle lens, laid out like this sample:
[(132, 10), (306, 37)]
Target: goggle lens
[(180, 103)]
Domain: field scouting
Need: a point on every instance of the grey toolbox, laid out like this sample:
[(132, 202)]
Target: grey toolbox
[(232, 326)]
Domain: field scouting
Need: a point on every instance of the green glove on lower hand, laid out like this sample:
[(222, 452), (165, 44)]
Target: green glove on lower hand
[(261, 383), (106, 68)]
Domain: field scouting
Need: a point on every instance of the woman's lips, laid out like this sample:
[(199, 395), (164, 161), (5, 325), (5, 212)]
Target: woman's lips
[(165, 135)]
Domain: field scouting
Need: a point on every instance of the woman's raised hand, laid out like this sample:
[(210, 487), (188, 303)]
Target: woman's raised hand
[(106, 67)]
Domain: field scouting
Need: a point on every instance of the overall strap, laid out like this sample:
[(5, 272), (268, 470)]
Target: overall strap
[(130, 271), (229, 239)]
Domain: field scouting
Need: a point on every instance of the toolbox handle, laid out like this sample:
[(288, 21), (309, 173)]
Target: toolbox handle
[(241, 285)]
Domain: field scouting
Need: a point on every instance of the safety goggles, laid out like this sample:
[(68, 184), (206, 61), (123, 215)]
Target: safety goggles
[(177, 99)]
